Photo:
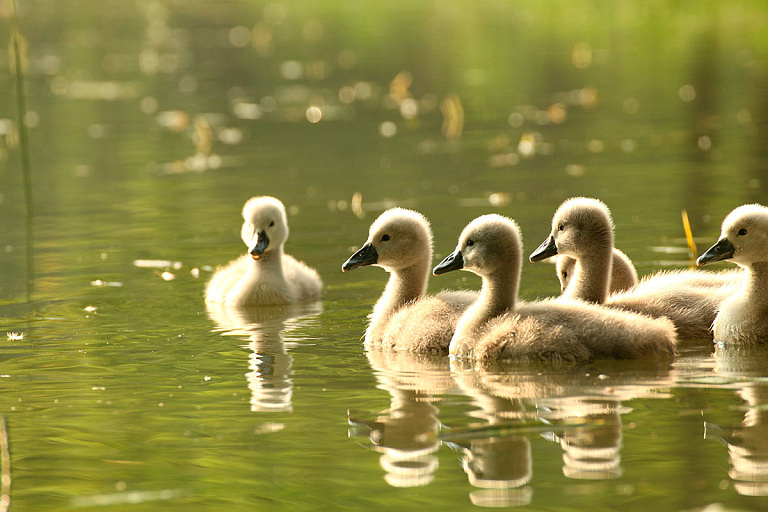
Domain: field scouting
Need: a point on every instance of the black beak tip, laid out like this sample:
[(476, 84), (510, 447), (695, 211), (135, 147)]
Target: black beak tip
[(722, 250), (367, 255), (454, 261), (547, 249), (262, 242)]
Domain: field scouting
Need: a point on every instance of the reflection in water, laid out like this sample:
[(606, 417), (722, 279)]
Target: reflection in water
[(501, 469), (406, 433), (581, 410), (577, 407), (267, 330), (593, 452), (747, 442), (499, 462)]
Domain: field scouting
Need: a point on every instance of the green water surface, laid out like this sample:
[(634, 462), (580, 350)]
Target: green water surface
[(151, 122)]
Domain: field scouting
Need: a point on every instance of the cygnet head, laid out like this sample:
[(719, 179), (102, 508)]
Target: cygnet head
[(743, 238), (398, 239), (265, 226), (580, 225), (564, 267), (488, 243)]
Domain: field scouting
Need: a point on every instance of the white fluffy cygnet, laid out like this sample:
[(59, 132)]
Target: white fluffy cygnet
[(405, 318), (265, 275), (743, 317)]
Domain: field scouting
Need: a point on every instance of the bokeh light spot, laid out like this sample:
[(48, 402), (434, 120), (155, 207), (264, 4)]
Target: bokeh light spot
[(687, 93), (314, 115), (387, 129)]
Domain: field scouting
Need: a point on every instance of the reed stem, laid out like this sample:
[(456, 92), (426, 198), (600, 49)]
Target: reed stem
[(21, 107), (5, 468)]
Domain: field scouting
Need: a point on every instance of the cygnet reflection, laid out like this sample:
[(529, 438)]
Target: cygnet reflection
[(497, 450), (406, 434), (269, 332), (747, 442), (591, 451), (578, 407)]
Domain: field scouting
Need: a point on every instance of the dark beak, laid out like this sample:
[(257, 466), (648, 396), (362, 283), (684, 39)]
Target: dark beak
[(454, 261), (722, 250), (544, 251), (367, 255), (262, 242)]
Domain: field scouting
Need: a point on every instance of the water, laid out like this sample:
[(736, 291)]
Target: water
[(152, 122)]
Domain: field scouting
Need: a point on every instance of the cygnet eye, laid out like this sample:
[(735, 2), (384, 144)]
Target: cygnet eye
[(565, 273), (385, 238), (560, 227), (271, 223), (470, 243), (742, 231)]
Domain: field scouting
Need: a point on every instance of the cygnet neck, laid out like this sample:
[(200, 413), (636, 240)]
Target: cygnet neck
[(498, 296), (592, 274), (756, 284), (499, 291), (408, 283), (270, 263), (405, 285)]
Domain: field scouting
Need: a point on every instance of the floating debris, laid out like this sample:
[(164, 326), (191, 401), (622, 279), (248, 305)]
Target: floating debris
[(269, 428), (356, 205), (94, 90), (168, 276), (99, 282), (586, 97), (91, 309), (128, 497), (250, 111), (399, 87), (668, 249), (198, 163), (176, 265), (202, 135), (453, 117), (173, 120), (504, 160), (557, 113), (230, 136), (499, 199), (15, 336), (494, 199)]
